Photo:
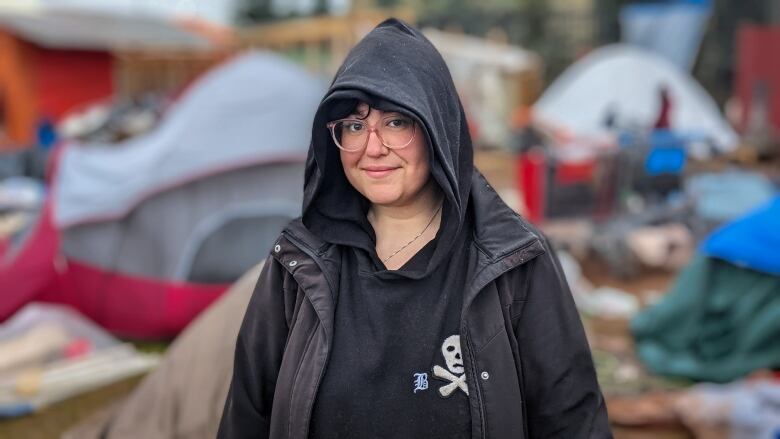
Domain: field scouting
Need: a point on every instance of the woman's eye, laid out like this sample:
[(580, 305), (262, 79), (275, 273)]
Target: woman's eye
[(399, 123), (354, 127)]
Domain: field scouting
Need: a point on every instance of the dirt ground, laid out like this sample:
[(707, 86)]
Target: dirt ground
[(52, 421)]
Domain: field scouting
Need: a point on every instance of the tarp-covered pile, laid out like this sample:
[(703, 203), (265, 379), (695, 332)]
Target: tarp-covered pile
[(721, 320)]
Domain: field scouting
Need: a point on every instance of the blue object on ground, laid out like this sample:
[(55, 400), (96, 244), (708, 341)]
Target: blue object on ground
[(665, 161), (667, 153), (46, 134), (752, 241), (15, 410)]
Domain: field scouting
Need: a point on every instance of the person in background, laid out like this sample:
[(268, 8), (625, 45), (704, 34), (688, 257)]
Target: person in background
[(408, 301), (663, 121)]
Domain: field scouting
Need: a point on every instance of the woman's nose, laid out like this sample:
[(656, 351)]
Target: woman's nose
[(374, 146)]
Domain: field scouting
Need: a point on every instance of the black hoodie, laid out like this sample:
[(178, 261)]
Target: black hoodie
[(393, 68), (391, 326)]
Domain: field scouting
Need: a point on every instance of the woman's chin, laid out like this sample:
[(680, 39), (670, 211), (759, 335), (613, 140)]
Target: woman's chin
[(383, 198)]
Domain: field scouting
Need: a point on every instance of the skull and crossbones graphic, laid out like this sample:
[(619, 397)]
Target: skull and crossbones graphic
[(452, 356)]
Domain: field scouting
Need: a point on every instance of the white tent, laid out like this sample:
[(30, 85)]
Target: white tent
[(624, 82)]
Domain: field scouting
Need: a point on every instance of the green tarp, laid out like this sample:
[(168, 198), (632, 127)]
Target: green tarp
[(718, 323)]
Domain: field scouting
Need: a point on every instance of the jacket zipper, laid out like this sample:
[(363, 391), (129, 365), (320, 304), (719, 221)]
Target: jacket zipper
[(473, 361), (472, 356), (295, 382)]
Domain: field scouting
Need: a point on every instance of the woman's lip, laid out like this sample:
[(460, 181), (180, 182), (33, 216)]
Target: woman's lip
[(378, 172)]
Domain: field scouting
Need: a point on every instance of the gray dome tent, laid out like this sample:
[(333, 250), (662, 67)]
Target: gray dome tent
[(194, 203)]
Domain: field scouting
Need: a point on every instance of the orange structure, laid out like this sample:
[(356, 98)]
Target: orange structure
[(38, 83)]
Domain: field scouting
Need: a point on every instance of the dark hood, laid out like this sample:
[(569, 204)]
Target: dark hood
[(393, 68)]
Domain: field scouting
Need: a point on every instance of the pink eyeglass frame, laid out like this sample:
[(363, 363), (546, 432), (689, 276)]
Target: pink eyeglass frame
[(371, 129)]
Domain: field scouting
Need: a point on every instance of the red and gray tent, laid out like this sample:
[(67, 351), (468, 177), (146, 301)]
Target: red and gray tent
[(141, 236)]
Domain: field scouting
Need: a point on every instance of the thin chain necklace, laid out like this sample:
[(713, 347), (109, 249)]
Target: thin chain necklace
[(418, 235)]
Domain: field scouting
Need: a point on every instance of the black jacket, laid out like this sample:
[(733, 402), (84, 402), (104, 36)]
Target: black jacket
[(524, 348)]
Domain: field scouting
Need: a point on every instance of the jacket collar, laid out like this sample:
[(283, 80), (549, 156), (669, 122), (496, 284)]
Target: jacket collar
[(324, 254), (498, 230), (504, 240)]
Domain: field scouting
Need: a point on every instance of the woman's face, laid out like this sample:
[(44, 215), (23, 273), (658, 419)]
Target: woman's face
[(387, 177)]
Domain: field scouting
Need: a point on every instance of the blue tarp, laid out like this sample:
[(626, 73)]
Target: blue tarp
[(674, 29), (752, 241)]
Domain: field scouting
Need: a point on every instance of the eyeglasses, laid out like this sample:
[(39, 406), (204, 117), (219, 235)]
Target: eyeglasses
[(395, 132)]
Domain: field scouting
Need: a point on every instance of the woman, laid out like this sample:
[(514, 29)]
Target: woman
[(408, 301)]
